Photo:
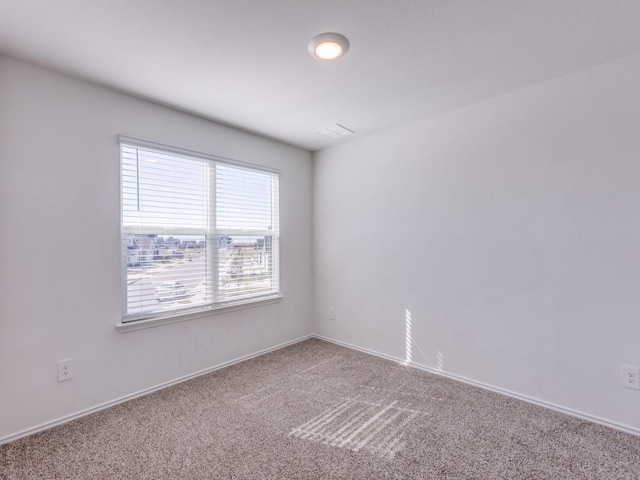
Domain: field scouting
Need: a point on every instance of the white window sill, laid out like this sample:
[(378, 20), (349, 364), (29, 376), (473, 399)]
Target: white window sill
[(123, 327)]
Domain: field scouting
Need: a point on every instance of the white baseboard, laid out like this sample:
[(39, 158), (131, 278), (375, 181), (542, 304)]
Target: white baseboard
[(141, 393), (146, 391), (509, 393)]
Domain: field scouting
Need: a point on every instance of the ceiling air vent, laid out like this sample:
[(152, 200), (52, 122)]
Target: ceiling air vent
[(335, 131)]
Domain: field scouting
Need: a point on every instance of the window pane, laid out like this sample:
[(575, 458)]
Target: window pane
[(165, 273), (244, 199), (245, 265), (163, 190)]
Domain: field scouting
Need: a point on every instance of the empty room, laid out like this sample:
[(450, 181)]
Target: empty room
[(303, 239)]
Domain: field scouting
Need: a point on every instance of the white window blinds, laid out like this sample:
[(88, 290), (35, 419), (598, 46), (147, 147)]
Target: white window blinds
[(197, 232)]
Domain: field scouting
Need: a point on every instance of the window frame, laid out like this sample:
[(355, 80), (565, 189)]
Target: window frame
[(130, 322)]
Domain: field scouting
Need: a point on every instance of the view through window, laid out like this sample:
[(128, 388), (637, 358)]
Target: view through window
[(196, 232)]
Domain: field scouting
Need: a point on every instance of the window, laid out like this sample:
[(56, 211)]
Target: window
[(198, 232)]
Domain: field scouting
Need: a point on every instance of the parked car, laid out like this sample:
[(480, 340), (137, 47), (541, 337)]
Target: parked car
[(171, 291)]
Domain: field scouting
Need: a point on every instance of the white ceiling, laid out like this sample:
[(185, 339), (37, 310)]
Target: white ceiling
[(245, 62)]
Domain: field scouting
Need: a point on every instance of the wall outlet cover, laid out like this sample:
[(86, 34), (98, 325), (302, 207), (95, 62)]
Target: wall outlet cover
[(64, 370), (630, 377)]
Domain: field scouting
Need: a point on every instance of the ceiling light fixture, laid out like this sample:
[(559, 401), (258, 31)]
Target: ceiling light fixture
[(328, 46)]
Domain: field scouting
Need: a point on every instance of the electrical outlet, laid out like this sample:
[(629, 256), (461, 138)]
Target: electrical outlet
[(64, 370), (332, 313), (630, 377)]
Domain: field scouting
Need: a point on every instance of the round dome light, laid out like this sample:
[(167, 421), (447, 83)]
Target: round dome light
[(328, 46)]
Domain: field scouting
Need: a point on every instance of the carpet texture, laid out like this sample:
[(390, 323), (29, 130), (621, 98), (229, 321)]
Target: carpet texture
[(319, 411)]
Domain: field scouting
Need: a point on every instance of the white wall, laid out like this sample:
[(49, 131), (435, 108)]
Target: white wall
[(510, 230), (60, 253)]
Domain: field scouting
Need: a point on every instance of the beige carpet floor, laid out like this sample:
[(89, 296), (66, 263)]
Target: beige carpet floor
[(319, 411)]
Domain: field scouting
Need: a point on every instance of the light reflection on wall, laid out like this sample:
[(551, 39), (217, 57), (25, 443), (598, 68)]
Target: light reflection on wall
[(410, 345), (408, 340), (439, 361)]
